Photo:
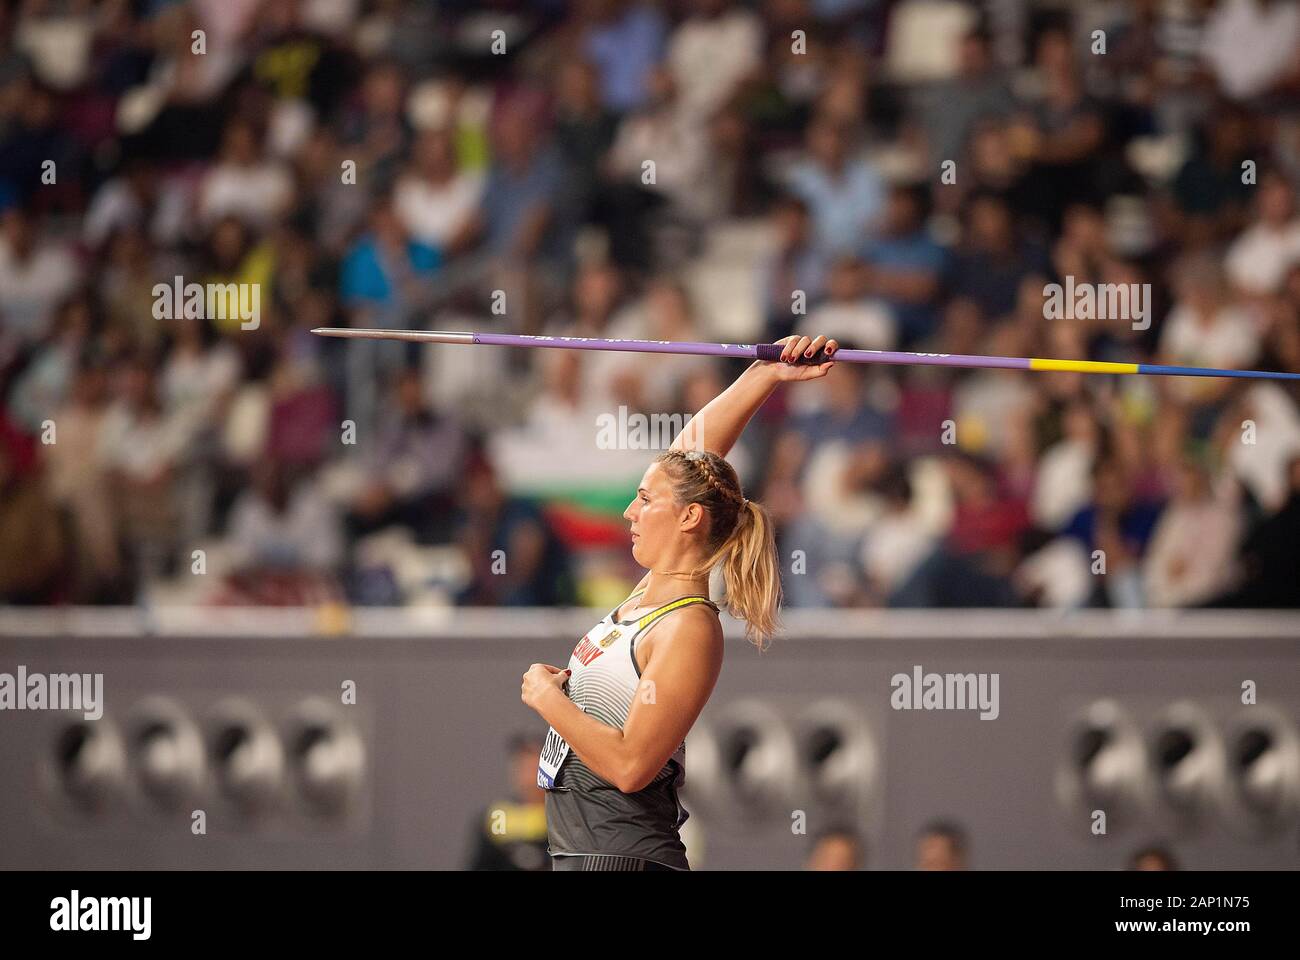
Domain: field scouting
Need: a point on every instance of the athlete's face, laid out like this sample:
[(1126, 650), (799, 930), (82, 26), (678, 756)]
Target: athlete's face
[(658, 521)]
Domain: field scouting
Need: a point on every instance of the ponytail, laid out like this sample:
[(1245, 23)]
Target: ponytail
[(741, 537), (750, 574)]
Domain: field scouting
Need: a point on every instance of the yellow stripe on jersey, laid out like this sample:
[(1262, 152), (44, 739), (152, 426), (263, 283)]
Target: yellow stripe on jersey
[(654, 615)]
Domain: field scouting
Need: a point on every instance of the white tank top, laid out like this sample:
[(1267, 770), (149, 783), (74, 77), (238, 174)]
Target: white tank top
[(605, 678)]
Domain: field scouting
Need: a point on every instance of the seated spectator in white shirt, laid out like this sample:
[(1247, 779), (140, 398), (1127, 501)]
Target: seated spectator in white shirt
[(1191, 558), (244, 184), (138, 197), (712, 52), (278, 525), (665, 312), (1252, 45), (1206, 329), (670, 137), (849, 314), (141, 448), (34, 278), (1257, 261), (898, 541), (434, 199), (1272, 417), (199, 375), (1063, 481)]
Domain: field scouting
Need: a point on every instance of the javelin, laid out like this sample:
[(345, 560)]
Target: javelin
[(772, 351)]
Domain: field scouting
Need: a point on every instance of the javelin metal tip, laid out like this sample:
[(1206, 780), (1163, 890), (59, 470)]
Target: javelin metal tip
[(413, 336)]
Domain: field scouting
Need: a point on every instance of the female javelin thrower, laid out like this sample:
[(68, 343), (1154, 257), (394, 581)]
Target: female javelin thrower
[(615, 754)]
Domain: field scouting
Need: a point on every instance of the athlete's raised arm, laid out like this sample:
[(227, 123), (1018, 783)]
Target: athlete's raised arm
[(719, 424)]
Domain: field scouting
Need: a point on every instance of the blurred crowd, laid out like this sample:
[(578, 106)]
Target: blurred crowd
[(899, 174)]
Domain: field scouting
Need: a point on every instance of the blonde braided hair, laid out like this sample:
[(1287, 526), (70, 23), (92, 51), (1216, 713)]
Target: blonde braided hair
[(740, 537)]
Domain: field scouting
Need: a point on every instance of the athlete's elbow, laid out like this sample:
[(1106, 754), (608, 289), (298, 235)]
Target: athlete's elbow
[(634, 777)]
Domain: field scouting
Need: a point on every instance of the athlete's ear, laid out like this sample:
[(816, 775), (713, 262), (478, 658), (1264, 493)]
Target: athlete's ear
[(692, 516)]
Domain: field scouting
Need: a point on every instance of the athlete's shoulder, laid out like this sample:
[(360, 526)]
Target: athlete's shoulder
[(692, 620), (690, 637)]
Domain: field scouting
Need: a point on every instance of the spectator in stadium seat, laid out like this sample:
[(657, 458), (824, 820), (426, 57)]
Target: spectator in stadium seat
[(78, 483), (375, 130), (510, 833), (1063, 484), (1118, 523), (896, 543), (327, 208), (712, 52), (584, 130), (941, 845), (244, 183), (903, 266), (45, 383), (979, 91), (128, 272), (843, 191), (141, 447), (517, 220), (992, 259), (1155, 857), (282, 525), (413, 471), (1192, 556), (383, 280), (36, 275), (1206, 328), (514, 556), (435, 199), (130, 200), (1250, 45), (1270, 555), (1258, 260), (851, 310), (32, 538), (679, 146), (1063, 133), (625, 39), (235, 254), (793, 268), (837, 848), (1208, 188)]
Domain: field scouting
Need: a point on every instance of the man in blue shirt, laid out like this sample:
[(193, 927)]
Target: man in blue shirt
[(904, 265), (625, 42), (383, 280), (841, 189)]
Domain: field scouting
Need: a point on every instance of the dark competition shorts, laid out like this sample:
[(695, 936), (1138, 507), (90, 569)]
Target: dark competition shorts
[(606, 863)]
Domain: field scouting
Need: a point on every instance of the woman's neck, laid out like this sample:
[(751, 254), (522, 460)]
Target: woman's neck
[(664, 587)]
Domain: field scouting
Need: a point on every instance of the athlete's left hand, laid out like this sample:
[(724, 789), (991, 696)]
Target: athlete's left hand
[(540, 678), (792, 348)]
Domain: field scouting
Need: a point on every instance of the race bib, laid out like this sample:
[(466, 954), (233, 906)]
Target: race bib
[(554, 750)]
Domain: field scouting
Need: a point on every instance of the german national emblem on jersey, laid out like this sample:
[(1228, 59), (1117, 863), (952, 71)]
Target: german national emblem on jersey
[(610, 638)]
